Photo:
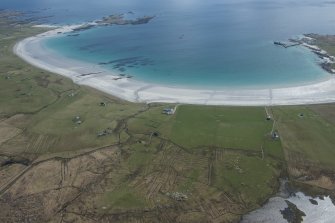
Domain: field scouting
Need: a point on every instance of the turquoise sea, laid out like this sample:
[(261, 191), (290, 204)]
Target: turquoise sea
[(194, 43)]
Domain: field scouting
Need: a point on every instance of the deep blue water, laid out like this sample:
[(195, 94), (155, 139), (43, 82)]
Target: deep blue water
[(194, 42)]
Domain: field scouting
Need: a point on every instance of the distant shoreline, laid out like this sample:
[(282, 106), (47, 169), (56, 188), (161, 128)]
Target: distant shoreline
[(32, 51)]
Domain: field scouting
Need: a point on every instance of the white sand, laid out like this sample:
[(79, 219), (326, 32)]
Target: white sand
[(32, 51), (46, 26)]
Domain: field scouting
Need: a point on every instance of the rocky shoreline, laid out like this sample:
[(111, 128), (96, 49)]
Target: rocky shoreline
[(24, 18), (114, 20), (310, 41), (329, 60)]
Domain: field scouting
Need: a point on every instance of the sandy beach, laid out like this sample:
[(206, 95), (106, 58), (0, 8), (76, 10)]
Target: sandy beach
[(32, 51)]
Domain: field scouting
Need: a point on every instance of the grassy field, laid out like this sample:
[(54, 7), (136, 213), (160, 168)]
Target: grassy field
[(246, 176), (202, 164), (123, 198), (307, 135), (209, 126), (327, 112), (310, 137), (226, 127), (220, 147), (49, 104)]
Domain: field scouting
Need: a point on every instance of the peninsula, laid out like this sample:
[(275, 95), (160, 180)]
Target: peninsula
[(319, 45)]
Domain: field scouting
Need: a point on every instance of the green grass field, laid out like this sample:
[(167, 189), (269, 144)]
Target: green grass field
[(246, 177), (210, 126), (219, 136), (308, 138), (226, 127)]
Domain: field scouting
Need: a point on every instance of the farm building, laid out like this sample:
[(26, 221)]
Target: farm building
[(169, 111)]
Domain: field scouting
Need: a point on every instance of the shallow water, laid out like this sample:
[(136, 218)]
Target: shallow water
[(323, 211), (195, 43)]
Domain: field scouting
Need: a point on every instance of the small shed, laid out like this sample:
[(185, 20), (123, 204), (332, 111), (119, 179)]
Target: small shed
[(275, 135), (168, 111)]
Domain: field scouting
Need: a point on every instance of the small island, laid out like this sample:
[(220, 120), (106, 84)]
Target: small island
[(114, 20)]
